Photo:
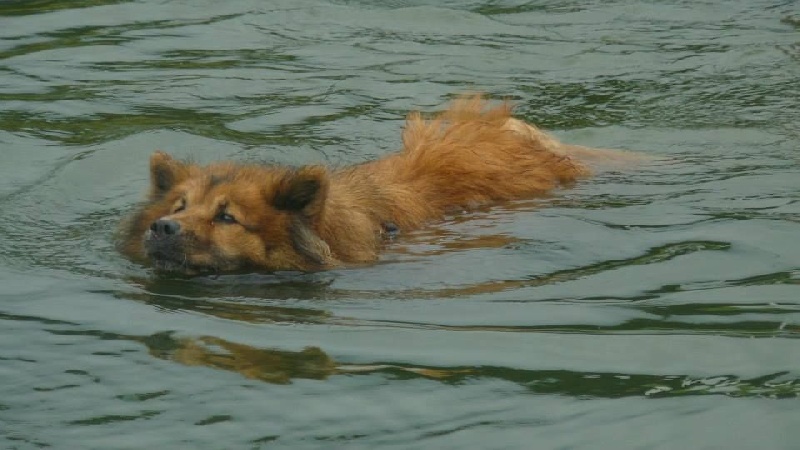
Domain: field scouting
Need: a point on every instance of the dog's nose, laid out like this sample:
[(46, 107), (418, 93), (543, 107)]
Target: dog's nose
[(165, 227)]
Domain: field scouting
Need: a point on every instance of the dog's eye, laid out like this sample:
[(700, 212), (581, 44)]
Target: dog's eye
[(180, 206), (224, 217)]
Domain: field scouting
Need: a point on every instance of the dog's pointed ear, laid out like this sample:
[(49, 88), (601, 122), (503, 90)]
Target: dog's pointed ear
[(303, 190), (165, 173)]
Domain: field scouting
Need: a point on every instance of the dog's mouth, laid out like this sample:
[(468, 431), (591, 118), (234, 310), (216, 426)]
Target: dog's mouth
[(180, 255), (174, 263), (169, 263), (168, 254)]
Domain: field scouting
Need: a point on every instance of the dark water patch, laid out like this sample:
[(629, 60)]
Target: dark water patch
[(779, 385), (649, 103), (768, 279), (108, 419), (143, 397), (106, 127), (214, 419), (22, 8)]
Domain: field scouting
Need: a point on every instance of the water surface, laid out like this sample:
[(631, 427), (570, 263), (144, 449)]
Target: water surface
[(651, 307)]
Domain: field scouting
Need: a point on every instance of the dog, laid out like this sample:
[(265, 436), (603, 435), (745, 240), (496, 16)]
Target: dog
[(228, 217)]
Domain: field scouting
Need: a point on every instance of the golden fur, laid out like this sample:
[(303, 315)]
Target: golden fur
[(227, 216)]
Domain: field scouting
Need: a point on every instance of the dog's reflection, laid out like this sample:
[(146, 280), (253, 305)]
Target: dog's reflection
[(268, 365)]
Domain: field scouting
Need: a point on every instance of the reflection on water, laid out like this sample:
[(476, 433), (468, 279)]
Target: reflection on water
[(272, 366), (282, 367), (652, 306), (276, 366)]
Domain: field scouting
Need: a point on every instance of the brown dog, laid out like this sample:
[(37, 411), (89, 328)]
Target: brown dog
[(228, 217)]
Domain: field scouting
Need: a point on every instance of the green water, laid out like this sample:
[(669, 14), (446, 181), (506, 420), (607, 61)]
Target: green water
[(655, 307)]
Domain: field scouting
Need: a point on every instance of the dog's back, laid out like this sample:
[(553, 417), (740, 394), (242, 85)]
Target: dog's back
[(468, 156)]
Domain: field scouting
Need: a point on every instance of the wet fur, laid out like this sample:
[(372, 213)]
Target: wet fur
[(314, 218)]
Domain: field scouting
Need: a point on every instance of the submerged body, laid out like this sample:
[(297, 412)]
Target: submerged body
[(227, 217)]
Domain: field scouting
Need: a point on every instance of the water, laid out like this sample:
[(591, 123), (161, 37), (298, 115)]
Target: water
[(653, 307)]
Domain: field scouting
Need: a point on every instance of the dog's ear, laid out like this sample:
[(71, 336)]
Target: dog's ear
[(165, 173), (303, 190)]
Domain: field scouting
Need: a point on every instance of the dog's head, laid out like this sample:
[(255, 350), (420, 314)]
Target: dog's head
[(226, 217)]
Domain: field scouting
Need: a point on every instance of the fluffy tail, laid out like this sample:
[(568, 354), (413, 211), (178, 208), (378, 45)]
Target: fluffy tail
[(471, 154)]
